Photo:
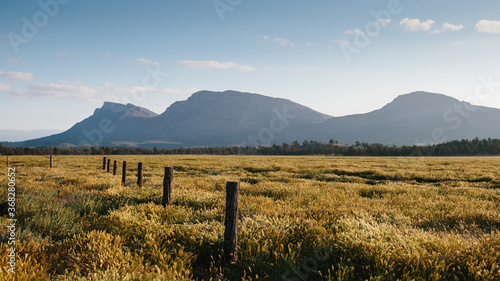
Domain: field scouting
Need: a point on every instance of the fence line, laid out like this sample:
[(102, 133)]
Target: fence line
[(139, 174), (231, 222), (124, 173), (230, 246), (167, 186)]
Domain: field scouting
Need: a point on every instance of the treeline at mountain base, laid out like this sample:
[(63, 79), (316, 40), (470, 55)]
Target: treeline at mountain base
[(475, 147)]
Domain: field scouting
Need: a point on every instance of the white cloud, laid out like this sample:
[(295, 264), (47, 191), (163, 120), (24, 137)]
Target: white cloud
[(215, 65), (75, 82), (4, 87), (384, 22), (452, 27), (77, 91), (147, 62), (468, 42), (112, 89), (55, 91), (416, 24), (17, 75), (284, 42), (448, 27), (280, 41), (309, 44), (488, 26), (353, 31)]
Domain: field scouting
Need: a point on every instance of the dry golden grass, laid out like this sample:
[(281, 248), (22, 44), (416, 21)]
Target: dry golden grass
[(301, 218)]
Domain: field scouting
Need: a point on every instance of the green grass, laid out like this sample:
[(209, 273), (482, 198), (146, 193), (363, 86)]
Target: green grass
[(300, 218)]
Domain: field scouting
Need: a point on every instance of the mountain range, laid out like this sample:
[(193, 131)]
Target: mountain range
[(234, 118)]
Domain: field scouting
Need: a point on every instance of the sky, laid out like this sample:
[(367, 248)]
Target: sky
[(61, 59)]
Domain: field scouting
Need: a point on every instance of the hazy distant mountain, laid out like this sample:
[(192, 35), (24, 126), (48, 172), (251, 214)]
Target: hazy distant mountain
[(418, 117), (109, 123), (234, 118)]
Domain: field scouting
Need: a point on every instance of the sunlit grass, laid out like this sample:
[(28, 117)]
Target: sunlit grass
[(301, 218)]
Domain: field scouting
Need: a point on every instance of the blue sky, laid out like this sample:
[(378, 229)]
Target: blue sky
[(61, 59)]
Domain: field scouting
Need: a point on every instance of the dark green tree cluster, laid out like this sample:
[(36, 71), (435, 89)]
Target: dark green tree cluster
[(311, 147)]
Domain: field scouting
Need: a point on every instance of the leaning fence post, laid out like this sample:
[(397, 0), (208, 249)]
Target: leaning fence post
[(167, 186), (104, 163), (115, 166), (231, 222), (124, 173), (139, 174), (51, 162)]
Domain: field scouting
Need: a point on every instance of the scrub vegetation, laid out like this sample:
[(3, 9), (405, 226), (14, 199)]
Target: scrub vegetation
[(300, 218)]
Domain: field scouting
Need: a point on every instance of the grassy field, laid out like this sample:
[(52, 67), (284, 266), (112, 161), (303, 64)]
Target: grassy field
[(301, 218)]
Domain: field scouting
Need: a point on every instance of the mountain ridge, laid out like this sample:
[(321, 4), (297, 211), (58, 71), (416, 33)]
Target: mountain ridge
[(233, 118)]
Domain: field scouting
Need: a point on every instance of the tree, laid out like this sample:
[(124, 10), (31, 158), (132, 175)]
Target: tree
[(107, 150)]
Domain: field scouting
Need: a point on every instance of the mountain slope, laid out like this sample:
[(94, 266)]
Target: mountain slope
[(418, 117), (110, 122), (234, 118), (231, 118)]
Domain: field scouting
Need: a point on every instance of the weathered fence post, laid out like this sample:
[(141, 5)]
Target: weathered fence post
[(104, 163), (124, 173), (51, 162), (108, 166), (115, 166), (139, 174), (231, 222), (167, 186), (7, 161)]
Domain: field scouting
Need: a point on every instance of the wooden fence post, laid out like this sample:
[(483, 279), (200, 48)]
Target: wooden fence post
[(8, 161), (139, 174), (124, 173), (109, 164), (115, 166), (104, 163), (51, 162), (167, 186), (231, 223)]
